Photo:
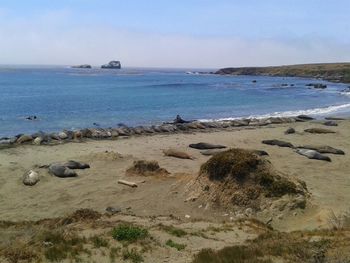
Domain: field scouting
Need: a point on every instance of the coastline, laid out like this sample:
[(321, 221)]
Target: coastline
[(332, 72)]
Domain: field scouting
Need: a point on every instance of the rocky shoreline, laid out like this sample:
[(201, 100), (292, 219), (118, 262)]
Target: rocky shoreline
[(333, 72), (178, 126)]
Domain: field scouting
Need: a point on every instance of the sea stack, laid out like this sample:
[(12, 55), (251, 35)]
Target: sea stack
[(112, 65)]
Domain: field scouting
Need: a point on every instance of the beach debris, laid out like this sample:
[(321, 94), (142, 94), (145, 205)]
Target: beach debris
[(206, 146), (304, 117), (330, 123), (76, 165), (289, 131), (322, 149), (30, 178), (113, 210), (177, 154), (312, 154), (128, 183), (319, 131), (278, 143), (146, 168), (61, 171), (24, 138)]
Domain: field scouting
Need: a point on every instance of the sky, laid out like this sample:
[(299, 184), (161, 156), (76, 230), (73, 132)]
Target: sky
[(182, 33)]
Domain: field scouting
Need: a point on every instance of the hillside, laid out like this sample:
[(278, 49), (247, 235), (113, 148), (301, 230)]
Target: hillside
[(335, 72)]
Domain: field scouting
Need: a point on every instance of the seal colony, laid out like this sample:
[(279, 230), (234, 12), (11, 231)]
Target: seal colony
[(178, 126)]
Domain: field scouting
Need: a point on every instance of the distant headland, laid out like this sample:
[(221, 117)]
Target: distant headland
[(335, 72)]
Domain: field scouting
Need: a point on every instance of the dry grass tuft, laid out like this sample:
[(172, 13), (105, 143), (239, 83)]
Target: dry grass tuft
[(146, 168)]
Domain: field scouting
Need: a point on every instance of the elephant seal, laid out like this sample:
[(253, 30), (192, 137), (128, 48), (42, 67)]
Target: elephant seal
[(212, 152), (323, 149), (278, 143), (76, 165), (330, 123), (312, 154), (319, 131), (61, 171), (177, 154), (30, 178), (289, 131), (206, 146)]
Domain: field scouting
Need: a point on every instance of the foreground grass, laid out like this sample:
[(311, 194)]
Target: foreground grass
[(82, 236), (326, 246)]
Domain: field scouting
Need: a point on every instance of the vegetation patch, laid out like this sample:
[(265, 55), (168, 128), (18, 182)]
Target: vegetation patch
[(273, 246), (132, 255), (241, 178), (129, 233), (146, 168), (173, 244), (235, 163), (174, 231), (62, 246), (99, 241), (82, 215)]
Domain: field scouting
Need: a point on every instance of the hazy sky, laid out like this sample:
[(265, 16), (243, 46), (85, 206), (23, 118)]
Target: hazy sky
[(182, 33)]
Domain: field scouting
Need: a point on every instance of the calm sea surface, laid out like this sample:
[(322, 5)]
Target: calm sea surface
[(65, 98)]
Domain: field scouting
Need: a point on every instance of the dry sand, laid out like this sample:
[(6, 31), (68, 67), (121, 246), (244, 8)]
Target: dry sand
[(97, 187)]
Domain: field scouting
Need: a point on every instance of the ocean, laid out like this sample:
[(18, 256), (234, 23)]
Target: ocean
[(66, 98)]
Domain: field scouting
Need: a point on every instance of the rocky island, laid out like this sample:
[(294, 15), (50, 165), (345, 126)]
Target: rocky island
[(82, 66), (112, 65)]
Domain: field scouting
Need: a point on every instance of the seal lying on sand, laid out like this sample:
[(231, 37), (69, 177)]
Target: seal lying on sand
[(312, 154), (76, 165), (319, 131), (278, 143), (177, 154), (322, 149), (206, 146), (216, 151), (61, 171)]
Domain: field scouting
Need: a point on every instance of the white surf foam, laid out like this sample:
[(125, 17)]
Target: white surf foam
[(313, 112)]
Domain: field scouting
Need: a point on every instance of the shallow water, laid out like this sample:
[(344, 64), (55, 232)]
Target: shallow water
[(65, 98)]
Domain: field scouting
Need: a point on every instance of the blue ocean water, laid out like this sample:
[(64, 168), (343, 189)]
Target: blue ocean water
[(66, 98)]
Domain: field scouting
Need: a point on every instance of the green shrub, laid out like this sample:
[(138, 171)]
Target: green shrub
[(173, 244), (130, 233)]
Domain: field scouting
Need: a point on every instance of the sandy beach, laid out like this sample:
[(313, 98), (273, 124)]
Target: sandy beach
[(162, 202), (97, 187)]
